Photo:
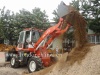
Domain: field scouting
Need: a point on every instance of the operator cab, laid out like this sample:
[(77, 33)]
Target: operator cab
[(27, 39)]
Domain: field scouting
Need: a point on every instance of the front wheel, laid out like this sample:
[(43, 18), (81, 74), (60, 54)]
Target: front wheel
[(14, 63), (33, 65)]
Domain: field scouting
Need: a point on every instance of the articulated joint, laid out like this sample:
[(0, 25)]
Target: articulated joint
[(61, 19)]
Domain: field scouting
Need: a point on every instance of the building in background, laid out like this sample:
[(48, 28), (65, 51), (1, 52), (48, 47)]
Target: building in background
[(66, 44), (93, 37)]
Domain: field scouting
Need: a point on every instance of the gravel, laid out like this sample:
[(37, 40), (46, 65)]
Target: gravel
[(89, 66)]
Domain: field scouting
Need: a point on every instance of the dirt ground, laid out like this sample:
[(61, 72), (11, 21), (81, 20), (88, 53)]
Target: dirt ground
[(90, 65), (5, 69), (5, 48)]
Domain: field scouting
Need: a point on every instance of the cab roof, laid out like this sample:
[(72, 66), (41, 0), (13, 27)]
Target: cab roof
[(29, 29)]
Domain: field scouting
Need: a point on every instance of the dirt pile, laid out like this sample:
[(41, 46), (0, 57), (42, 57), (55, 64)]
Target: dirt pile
[(89, 66), (78, 22), (78, 54), (4, 48), (82, 46)]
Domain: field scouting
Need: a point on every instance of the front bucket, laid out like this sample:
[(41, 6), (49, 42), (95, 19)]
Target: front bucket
[(64, 9)]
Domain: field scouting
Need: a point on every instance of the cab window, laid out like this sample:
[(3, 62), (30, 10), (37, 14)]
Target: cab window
[(21, 37)]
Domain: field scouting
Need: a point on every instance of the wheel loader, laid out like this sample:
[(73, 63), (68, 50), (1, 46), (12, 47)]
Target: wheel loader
[(32, 44)]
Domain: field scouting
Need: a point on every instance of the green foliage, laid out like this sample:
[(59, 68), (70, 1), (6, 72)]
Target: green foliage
[(94, 23), (75, 4), (40, 18), (12, 23), (56, 17), (91, 11)]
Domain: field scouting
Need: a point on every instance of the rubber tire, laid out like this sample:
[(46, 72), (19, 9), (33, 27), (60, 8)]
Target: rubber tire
[(36, 62), (16, 64), (7, 57)]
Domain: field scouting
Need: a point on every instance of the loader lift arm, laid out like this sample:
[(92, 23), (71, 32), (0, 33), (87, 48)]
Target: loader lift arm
[(40, 48), (53, 32)]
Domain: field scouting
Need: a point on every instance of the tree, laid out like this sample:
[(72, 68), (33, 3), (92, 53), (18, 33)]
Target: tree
[(75, 4), (90, 10), (36, 18), (11, 24), (7, 26), (1, 22), (56, 17), (94, 23), (40, 18)]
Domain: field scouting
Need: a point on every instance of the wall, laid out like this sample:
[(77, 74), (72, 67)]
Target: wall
[(58, 42)]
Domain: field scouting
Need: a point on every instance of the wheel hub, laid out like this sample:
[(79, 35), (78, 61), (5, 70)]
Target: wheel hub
[(32, 66), (12, 61)]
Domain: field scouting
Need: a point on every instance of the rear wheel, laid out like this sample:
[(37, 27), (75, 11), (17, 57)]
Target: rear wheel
[(7, 56), (14, 63)]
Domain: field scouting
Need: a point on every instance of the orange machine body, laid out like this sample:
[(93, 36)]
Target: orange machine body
[(41, 45)]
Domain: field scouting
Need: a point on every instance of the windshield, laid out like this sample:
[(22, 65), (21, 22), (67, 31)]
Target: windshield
[(21, 37), (35, 36)]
